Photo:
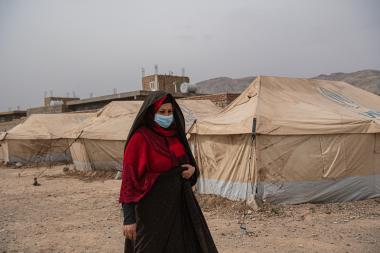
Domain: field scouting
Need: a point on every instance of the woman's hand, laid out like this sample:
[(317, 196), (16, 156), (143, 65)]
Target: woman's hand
[(188, 172), (129, 231)]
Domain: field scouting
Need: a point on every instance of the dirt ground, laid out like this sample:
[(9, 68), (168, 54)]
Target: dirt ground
[(70, 213)]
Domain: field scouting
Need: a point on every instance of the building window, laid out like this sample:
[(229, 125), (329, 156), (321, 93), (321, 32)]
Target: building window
[(151, 85)]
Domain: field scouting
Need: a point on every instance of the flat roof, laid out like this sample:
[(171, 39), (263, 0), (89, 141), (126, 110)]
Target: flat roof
[(105, 98), (166, 75), (21, 112), (196, 95), (120, 96)]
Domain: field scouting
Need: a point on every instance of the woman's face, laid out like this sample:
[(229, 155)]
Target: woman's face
[(166, 109)]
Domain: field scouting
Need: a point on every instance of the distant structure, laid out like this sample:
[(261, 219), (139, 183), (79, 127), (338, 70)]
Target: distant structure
[(221, 99), (179, 86), (11, 115), (170, 83), (49, 101), (10, 119)]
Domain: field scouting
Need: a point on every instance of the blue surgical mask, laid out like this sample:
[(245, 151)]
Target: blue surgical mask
[(163, 121)]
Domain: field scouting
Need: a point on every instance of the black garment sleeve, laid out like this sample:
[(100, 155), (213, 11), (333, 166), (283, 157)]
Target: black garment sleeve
[(193, 179), (129, 213)]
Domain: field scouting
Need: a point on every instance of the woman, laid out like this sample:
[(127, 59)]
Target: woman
[(161, 214)]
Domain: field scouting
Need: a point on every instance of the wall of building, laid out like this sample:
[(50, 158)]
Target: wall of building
[(99, 104), (95, 103), (165, 82), (219, 99), (49, 100), (47, 109), (9, 116)]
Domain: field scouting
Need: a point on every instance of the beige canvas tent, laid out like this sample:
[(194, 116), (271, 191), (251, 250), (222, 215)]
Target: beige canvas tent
[(41, 138), (3, 148), (100, 143), (292, 140), (100, 140), (4, 128)]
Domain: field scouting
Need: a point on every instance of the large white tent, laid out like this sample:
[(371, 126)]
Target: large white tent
[(3, 149), (4, 127), (100, 141), (292, 140), (40, 138)]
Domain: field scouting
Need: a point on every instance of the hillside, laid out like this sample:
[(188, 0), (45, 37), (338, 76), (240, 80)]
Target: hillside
[(223, 84), (366, 79)]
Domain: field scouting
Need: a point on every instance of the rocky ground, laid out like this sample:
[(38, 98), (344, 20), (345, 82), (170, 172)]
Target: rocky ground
[(79, 213)]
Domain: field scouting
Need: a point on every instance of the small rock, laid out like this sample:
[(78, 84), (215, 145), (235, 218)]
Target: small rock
[(18, 164), (35, 183)]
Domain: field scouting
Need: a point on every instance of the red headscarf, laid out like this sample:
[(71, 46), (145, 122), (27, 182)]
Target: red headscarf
[(151, 151)]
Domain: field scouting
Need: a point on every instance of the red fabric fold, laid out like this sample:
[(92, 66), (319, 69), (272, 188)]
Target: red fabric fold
[(151, 151)]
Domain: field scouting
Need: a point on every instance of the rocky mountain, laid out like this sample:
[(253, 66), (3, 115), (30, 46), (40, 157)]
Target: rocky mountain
[(224, 84), (366, 79)]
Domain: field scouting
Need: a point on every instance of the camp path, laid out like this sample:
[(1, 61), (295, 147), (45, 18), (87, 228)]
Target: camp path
[(69, 214)]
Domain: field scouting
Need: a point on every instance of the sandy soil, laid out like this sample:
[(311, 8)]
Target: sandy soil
[(68, 213)]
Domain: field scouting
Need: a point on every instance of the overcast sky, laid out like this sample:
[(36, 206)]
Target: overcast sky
[(97, 45)]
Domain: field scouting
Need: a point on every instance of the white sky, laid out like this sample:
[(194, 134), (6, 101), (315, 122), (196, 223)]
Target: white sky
[(97, 45)]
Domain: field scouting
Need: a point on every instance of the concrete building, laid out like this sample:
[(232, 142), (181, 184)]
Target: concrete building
[(98, 102), (11, 115), (168, 83), (94, 103), (220, 99), (51, 101)]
